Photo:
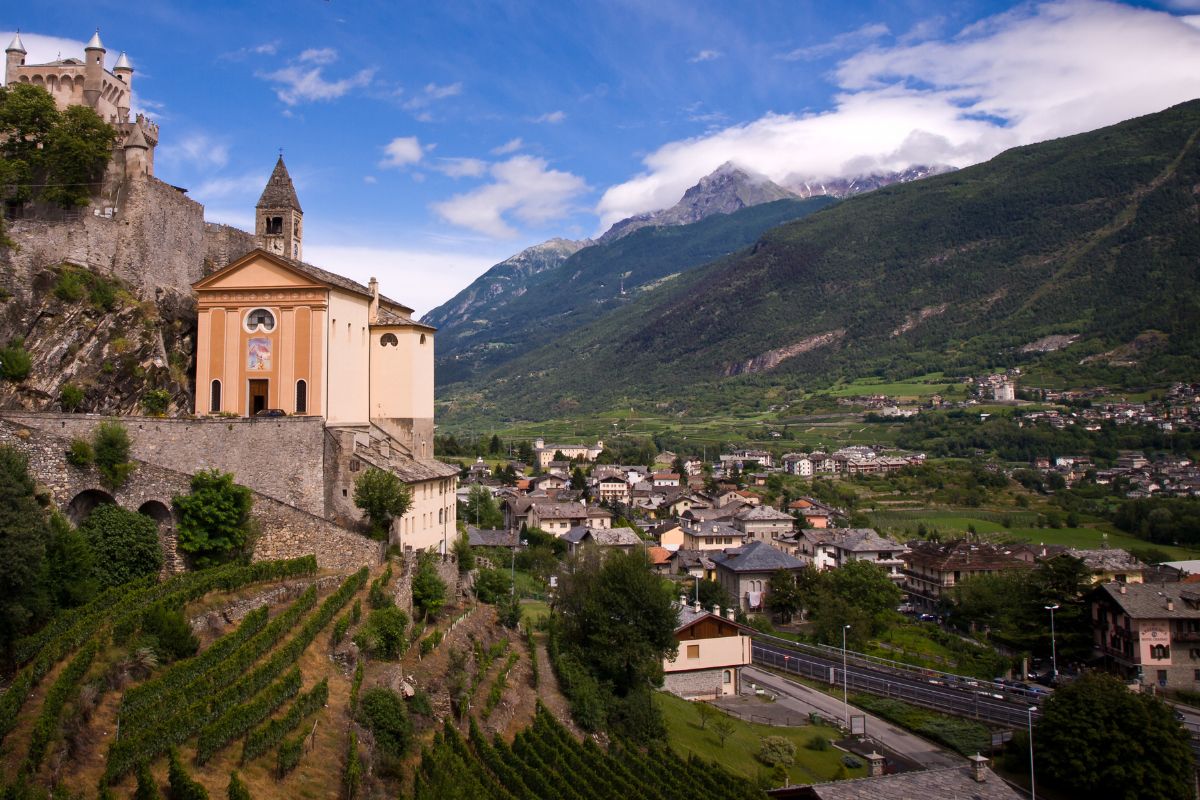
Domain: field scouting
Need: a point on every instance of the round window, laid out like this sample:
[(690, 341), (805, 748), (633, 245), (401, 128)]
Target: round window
[(260, 319)]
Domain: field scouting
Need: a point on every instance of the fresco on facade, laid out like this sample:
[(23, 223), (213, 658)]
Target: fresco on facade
[(258, 356)]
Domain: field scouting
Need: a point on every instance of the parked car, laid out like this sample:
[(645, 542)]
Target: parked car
[(271, 412)]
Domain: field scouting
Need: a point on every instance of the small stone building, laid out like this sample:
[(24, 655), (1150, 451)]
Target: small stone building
[(712, 651)]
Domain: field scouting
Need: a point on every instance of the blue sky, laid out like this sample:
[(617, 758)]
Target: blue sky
[(430, 140)]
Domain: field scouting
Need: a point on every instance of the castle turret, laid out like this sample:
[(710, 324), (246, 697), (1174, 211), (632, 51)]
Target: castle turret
[(123, 70), (93, 75), (14, 57), (279, 221)]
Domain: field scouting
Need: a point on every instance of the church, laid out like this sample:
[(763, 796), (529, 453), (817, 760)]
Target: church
[(278, 337)]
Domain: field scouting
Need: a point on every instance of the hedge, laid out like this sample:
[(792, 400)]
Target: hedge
[(64, 688), (271, 733), (288, 757), (238, 720)]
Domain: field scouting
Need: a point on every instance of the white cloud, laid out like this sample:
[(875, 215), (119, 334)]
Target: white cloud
[(461, 167), (429, 94), (511, 146), (266, 48), (705, 55), (849, 40), (401, 151), (370, 179), (522, 188), (1027, 75), (303, 80), (421, 279), (195, 148), (246, 185), (551, 117), (435, 92)]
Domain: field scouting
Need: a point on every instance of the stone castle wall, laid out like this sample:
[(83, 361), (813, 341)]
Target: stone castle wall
[(283, 531), (280, 457), (224, 244)]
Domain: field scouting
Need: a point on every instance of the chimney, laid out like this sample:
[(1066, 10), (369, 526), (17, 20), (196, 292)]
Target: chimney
[(874, 765), (978, 768), (1122, 589), (730, 613), (1170, 604), (697, 607), (373, 309)]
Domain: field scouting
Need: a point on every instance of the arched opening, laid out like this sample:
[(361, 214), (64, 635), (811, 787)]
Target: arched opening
[(301, 397), (214, 404), (157, 511), (728, 676), (85, 502)]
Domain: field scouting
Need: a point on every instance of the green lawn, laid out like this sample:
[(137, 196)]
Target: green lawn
[(738, 754), (902, 389), (532, 611)]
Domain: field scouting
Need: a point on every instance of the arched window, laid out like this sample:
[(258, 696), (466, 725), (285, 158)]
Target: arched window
[(214, 400), (260, 319), (1160, 651), (441, 518), (389, 340), (301, 397), (422, 338), (728, 676)]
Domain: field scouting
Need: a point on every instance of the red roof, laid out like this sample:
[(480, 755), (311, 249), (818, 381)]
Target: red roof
[(658, 555)]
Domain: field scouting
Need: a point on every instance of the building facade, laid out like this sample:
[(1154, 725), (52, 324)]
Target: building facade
[(1149, 632), (712, 652)]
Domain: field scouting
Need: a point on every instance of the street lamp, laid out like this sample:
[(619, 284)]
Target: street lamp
[(1032, 786), (1053, 651), (845, 689), (512, 572)]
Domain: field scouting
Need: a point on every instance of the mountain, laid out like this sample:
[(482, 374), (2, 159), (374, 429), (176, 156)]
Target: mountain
[(595, 282), (1092, 236), (727, 189), (846, 187), (502, 282)]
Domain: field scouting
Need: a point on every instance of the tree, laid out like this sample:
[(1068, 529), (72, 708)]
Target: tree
[(712, 595), (428, 590), (463, 553), (23, 535), (110, 447), (172, 635), (492, 585), (525, 452), (69, 574), (1097, 738), (384, 712), (382, 497), (125, 544), (705, 712), (723, 727), (777, 750), (866, 586), (214, 519), (783, 598), (495, 446), (481, 510), (578, 480), (383, 634), (15, 362)]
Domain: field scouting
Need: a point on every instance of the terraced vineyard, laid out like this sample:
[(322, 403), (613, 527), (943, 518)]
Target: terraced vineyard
[(545, 761)]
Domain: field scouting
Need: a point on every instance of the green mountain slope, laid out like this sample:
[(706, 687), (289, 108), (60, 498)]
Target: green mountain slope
[(1096, 235), (595, 282)]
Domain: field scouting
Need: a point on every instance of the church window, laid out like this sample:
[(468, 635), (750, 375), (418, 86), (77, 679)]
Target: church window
[(389, 340), (215, 397), (355, 465), (274, 226), (260, 319), (422, 338), (301, 397)]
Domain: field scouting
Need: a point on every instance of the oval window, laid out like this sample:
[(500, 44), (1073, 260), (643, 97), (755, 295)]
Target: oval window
[(260, 319)]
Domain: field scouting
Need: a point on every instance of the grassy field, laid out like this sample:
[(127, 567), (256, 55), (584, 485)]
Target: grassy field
[(738, 754), (929, 385), (533, 611)]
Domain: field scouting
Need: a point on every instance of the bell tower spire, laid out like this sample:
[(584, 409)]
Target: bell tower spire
[(279, 220)]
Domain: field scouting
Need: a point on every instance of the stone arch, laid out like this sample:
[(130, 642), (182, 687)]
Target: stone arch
[(52, 84), (158, 511), (85, 502)]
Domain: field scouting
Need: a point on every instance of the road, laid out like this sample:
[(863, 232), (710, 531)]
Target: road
[(804, 700)]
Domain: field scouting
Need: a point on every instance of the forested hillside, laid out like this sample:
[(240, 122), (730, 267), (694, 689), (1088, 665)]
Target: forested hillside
[(1094, 235), (596, 281)]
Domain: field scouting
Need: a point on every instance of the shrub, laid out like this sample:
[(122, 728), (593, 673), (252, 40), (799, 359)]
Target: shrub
[(428, 590), (125, 544), (156, 401), (352, 777), (288, 757), (420, 703), (147, 789), (377, 596), (214, 518), (80, 455), (70, 397), (264, 737), (818, 743), (15, 363), (182, 785), (173, 637), (492, 585), (237, 788), (383, 634), (70, 286), (384, 713), (111, 446)]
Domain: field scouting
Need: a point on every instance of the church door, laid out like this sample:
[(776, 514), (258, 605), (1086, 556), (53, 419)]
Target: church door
[(258, 396)]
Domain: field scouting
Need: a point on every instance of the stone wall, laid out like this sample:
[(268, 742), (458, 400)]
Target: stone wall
[(224, 244), (280, 457), (447, 569), (215, 620), (701, 684), (283, 530)]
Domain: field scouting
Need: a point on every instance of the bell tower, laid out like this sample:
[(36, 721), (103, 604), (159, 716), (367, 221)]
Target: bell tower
[(279, 221)]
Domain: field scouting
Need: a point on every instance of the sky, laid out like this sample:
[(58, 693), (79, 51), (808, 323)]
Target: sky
[(429, 141)]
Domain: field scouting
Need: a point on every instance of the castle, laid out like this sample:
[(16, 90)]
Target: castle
[(75, 82)]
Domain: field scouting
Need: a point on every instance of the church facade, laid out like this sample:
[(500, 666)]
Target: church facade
[(279, 337)]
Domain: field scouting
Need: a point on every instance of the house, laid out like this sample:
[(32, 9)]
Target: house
[(1149, 632), (702, 515), (549, 483), (491, 537), (745, 571), (661, 559), (663, 479), (972, 781), (711, 536), (834, 547), (618, 538), (544, 454), (712, 651), (798, 464), (1107, 566), (613, 489), (669, 534), (558, 518), (815, 515), (932, 569), (763, 522)]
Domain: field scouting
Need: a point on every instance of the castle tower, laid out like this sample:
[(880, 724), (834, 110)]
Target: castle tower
[(93, 75), (14, 57), (123, 70), (279, 221)]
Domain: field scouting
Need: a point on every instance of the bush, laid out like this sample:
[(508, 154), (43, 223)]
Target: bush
[(492, 585), (377, 596), (288, 757), (818, 743), (80, 455), (383, 634), (214, 518), (71, 397), (421, 704), (147, 789), (173, 637), (384, 713), (111, 446), (428, 590), (125, 544), (70, 286), (156, 401), (182, 785), (237, 789), (15, 363)]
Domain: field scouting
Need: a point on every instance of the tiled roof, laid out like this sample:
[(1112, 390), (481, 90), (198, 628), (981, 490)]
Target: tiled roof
[(763, 514), (947, 783), (604, 537), (279, 191), (1108, 560), (489, 537), (1149, 600), (863, 540), (559, 510), (659, 556), (756, 557), (963, 555)]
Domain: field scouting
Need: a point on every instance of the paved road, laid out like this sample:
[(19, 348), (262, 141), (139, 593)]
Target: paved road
[(803, 700)]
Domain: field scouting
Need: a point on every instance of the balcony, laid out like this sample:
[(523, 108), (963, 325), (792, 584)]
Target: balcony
[(1185, 636)]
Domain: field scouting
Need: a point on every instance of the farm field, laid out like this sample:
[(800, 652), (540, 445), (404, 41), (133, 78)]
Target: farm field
[(738, 755)]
